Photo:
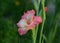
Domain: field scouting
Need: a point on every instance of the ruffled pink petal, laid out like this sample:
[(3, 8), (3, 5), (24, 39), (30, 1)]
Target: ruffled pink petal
[(31, 12), (37, 20), (28, 14), (22, 31)]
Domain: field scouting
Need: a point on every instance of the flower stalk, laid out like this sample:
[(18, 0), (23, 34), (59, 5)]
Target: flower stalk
[(44, 18), (33, 35)]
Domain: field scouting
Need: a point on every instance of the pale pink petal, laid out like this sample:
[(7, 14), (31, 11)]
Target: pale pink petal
[(22, 31), (21, 23)]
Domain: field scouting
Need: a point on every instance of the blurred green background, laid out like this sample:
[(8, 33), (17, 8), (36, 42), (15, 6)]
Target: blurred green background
[(11, 12)]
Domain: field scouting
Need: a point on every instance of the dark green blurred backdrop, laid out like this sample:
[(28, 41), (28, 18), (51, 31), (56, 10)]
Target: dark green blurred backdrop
[(11, 12)]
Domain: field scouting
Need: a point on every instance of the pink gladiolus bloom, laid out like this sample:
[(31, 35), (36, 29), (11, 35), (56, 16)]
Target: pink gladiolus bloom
[(28, 21)]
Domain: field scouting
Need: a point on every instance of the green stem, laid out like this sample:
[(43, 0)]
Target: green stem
[(33, 35), (36, 31), (41, 31), (39, 2), (44, 38), (44, 17), (36, 5)]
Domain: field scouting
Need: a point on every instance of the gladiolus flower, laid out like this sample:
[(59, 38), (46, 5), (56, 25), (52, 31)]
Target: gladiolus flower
[(28, 21)]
